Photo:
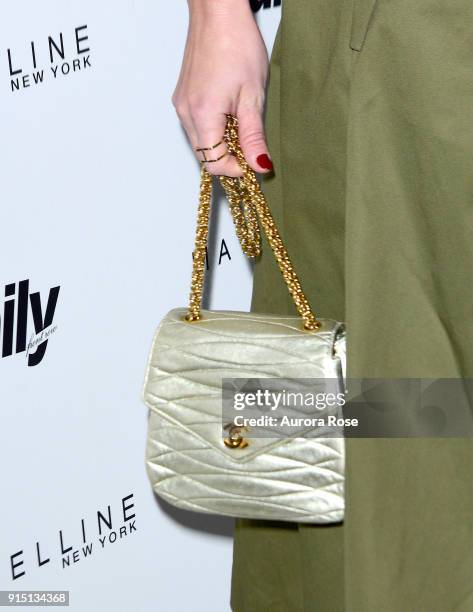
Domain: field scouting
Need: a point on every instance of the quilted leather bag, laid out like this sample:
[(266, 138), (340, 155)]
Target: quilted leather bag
[(193, 459)]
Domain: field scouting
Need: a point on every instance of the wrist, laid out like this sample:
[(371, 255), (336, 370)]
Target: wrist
[(218, 8)]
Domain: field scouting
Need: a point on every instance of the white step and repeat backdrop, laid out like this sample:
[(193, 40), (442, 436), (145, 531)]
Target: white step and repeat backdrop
[(98, 209)]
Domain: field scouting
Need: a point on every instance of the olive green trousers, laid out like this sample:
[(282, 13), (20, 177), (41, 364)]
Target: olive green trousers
[(370, 126)]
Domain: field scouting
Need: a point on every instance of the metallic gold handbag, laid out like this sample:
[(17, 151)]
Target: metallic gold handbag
[(194, 463)]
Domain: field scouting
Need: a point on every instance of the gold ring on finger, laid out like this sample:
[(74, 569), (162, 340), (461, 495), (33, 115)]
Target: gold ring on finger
[(205, 159)]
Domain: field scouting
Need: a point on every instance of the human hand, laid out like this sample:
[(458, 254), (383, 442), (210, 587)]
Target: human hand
[(224, 71)]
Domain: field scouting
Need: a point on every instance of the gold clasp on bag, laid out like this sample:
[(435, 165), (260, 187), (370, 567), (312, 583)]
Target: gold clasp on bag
[(234, 438)]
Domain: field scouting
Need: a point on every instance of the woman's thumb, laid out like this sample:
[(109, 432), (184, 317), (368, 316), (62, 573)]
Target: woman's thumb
[(252, 140)]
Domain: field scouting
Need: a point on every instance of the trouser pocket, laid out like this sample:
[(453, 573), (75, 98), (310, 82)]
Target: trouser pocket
[(362, 14)]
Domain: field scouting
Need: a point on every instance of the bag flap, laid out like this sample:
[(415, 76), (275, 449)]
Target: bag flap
[(189, 361)]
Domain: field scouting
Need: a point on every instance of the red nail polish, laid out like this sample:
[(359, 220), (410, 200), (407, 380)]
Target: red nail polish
[(264, 161)]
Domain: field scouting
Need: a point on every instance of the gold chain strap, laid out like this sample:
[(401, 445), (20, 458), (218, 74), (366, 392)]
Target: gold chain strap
[(247, 205)]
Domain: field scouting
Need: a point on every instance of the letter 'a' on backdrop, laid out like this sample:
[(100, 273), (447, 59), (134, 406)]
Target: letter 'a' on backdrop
[(94, 250)]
